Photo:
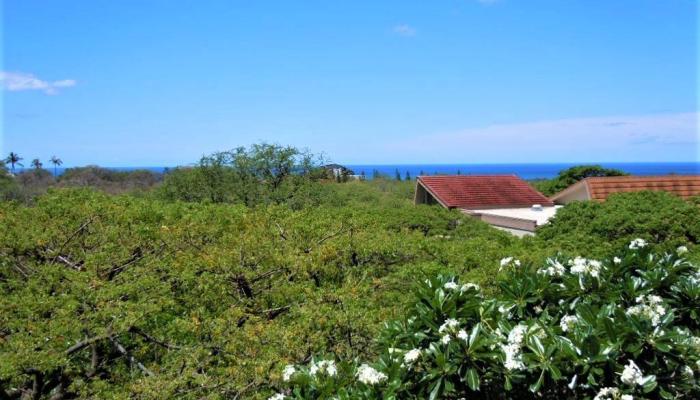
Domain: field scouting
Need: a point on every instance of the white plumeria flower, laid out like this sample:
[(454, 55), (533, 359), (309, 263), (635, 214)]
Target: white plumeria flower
[(649, 308), (449, 324), (451, 286), (568, 322), (681, 250), (509, 261), (632, 375), (277, 396), (608, 393), (411, 356), (617, 260), (369, 375), (468, 286), (512, 350), (445, 339), (583, 266), (462, 334), (323, 366), (637, 244), (555, 268), (287, 373)]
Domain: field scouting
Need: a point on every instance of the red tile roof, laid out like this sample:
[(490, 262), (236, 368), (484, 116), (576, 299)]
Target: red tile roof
[(681, 185), (482, 191)]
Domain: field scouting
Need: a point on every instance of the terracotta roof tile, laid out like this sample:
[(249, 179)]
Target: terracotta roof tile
[(681, 185), (483, 191)]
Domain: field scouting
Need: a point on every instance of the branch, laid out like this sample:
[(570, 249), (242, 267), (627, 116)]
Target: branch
[(85, 343), (131, 358), (330, 236), (73, 235), (151, 339), (68, 262), (266, 274), (273, 313), (283, 235)]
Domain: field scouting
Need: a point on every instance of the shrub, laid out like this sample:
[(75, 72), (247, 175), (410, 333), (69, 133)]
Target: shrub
[(572, 175), (620, 328), (660, 218), (263, 174)]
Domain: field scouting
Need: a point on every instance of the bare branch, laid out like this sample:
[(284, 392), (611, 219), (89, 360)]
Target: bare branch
[(131, 358), (85, 343), (151, 339)]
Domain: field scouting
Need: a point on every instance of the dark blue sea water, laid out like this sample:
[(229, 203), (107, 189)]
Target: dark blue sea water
[(525, 171)]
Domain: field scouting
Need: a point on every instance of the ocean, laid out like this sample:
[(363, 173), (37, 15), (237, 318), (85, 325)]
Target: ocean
[(525, 171)]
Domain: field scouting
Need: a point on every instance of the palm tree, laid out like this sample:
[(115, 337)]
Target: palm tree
[(56, 162), (36, 163), (13, 159)]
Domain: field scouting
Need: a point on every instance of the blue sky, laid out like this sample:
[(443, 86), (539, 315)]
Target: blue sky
[(126, 83)]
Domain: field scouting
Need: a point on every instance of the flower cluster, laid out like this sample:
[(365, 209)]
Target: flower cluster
[(323, 366), (369, 375), (287, 373), (553, 268), (513, 349), (509, 262), (568, 322), (583, 266), (523, 338), (609, 393), (632, 375), (637, 244), (649, 307)]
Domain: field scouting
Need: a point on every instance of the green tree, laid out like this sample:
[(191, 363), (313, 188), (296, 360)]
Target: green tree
[(262, 174), (572, 175), (408, 176), (37, 164), (56, 162), (397, 175), (14, 159)]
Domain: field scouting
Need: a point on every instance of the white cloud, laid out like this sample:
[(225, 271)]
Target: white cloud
[(18, 81), (404, 30), (657, 137)]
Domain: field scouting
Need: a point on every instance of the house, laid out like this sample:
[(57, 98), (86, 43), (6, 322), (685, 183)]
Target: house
[(504, 201), (599, 188)]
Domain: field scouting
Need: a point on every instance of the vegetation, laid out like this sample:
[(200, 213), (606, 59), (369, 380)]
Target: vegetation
[(663, 220), (14, 159), (207, 284), (621, 328), (264, 174), (572, 175)]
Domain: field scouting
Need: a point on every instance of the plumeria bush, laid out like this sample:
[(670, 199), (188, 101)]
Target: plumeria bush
[(622, 328)]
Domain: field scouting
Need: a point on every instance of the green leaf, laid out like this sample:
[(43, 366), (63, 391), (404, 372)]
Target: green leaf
[(473, 379)]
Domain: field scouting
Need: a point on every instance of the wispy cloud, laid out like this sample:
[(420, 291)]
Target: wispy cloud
[(654, 137), (404, 30), (19, 81)]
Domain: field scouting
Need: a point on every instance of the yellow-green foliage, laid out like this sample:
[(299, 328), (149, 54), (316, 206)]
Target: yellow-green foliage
[(210, 298)]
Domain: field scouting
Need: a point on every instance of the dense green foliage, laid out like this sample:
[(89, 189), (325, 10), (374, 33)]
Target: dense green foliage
[(263, 174), (209, 298), (664, 220), (623, 327), (572, 175), (29, 184), (207, 286)]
